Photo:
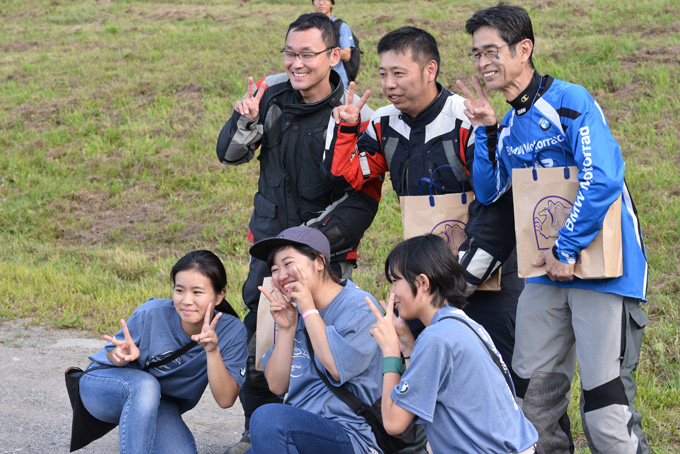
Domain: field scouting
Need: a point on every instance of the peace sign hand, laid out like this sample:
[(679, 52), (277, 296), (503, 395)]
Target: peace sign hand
[(350, 113), (283, 312), (383, 330), (249, 106), (208, 337), (125, 350), (478, 109)]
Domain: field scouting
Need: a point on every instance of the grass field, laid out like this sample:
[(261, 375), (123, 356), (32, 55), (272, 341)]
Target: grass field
[(110, 110)]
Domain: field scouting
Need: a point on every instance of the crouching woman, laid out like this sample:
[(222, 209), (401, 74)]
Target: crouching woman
[(147, 401), (310, 303), (453, 380)]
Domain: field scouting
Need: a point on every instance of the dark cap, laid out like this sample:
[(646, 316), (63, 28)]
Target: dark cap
[(301, 235)]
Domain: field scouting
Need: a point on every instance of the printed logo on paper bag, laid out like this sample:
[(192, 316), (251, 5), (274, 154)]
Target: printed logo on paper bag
[(550, 215), (453, 232)]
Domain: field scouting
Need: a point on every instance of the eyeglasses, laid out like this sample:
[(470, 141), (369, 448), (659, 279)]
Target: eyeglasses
[(306, 57), (489, 52)]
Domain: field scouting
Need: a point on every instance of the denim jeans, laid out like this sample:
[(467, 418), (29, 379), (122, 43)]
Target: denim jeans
[(132, 398), (281, 428)]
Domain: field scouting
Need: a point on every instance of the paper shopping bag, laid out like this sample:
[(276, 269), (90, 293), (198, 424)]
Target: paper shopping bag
[(266, 327), (543, 202), (445, 215)]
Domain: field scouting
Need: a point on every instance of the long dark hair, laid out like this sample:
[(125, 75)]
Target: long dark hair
[(210, 266), (429, 255)]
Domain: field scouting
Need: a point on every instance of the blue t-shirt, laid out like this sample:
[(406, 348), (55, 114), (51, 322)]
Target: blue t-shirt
[(346, 40), (156, 330), (358, 360), (458, 393)]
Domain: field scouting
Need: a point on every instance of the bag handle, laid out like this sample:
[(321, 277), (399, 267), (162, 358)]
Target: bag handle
[(430, 181)]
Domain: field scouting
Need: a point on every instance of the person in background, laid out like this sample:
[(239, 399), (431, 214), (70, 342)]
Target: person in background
[(452, 379), (346, 40), (286, 118), (148, 403), (562, 318)]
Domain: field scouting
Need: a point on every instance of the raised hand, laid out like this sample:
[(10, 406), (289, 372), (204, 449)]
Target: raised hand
[(299, 291), (350, 113), (208, 337), (478, 108), (249, 106), (406, 339), (282, 310), (383, 330), (126, 350)]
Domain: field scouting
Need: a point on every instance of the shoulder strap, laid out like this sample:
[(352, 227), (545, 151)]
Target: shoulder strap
[(494, 357), (342, 393), (176, 354)]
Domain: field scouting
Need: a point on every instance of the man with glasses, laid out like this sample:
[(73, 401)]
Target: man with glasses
[(561, 318), (287, 117), (346, 40)]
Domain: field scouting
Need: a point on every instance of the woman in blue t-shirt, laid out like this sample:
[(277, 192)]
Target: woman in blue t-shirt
[(308, 298), (147, 399), (452, 378)]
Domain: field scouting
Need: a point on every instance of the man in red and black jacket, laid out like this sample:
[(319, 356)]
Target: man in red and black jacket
[(423, 129)]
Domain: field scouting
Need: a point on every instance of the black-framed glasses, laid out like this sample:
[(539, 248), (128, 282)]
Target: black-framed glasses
[(306, 57), (488, 52)]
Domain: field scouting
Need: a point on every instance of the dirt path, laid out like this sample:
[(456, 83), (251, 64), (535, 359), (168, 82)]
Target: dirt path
[(35, 414)]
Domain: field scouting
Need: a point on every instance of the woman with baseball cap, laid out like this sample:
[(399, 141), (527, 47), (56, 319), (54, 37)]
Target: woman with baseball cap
[(310, 305)]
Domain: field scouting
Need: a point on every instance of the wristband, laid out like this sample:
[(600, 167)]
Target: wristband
[(392, 364), (554, 253), (309, 312)]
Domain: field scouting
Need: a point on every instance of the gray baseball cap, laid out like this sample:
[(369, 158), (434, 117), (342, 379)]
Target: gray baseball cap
[(300, 235)]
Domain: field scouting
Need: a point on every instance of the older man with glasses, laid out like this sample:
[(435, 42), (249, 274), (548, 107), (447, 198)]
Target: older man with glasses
[(561, 318), (286, 117)]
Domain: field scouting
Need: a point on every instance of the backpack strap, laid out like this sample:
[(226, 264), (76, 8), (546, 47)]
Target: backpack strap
[(342, 393), (494, 357), (176, 354)]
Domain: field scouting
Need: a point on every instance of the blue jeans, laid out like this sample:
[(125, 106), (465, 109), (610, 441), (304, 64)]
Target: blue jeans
[(132, 398), (281, 428)]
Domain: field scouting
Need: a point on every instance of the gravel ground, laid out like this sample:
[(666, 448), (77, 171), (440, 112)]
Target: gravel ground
[(35, 414)]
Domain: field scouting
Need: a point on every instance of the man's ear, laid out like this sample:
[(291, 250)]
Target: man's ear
[(525, 48), (431, 71), (335, 56)]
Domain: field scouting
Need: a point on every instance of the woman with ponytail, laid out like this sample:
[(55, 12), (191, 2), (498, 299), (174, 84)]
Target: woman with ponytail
[(157, 366)]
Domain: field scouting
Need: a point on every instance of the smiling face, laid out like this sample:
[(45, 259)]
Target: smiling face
[(192, 296), (311, 78), (409, 85), (283, 269), (505, 72)]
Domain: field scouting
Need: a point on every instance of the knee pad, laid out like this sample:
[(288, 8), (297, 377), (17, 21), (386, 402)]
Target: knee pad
[(545, 405)]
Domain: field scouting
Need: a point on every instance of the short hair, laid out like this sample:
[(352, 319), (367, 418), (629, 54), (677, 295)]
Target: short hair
[(309, 252), (422, 45), (210, 266), (512, 22), (329, 32), (429, 255)]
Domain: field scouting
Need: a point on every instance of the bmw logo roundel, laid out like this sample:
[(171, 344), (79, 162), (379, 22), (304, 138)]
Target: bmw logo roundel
[(404, 388), (242, 372), (544, 124)]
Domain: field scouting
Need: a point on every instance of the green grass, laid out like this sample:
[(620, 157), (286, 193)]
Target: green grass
[(109, 113)]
